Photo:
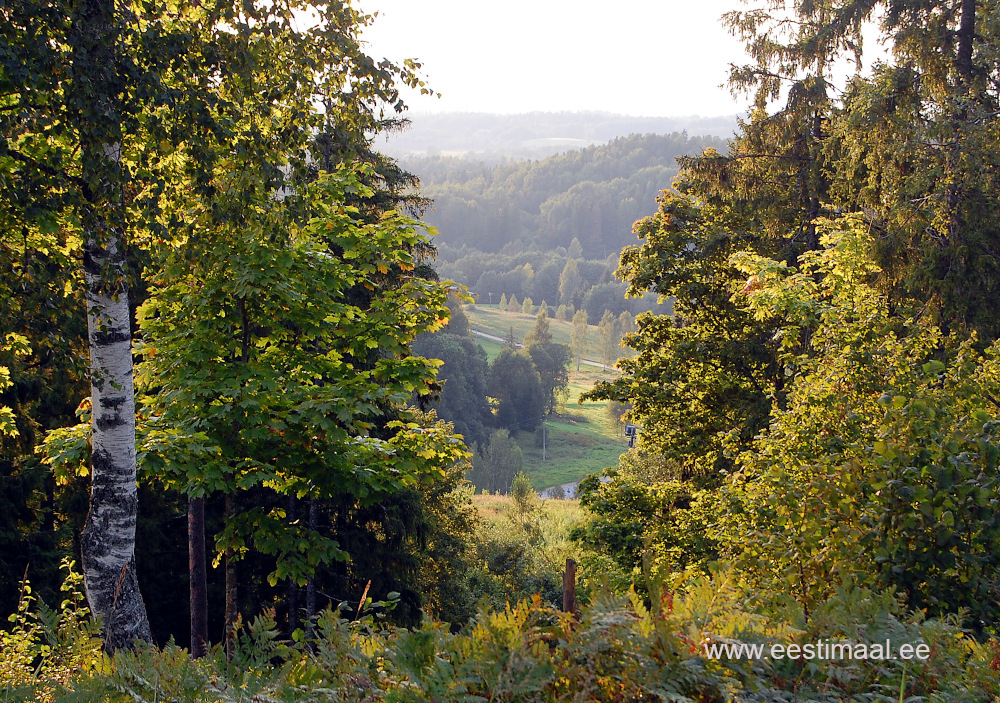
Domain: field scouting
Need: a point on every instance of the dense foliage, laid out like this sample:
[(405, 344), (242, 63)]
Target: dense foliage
[(821, 406)]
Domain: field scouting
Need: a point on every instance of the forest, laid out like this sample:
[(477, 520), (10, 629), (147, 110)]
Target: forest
[(231, 468), (549, 230)]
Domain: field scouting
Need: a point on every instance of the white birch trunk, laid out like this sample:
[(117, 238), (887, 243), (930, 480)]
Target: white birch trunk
[(108, 540)]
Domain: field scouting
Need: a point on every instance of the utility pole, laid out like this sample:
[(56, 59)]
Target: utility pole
[(543, 439)]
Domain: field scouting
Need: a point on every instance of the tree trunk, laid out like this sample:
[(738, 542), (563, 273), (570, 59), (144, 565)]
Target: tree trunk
[(293, 588), (966, 37), (107, 545), (108, 540), (963, 65), (569, 587), (197, 572), (311, 583), (231, 585)]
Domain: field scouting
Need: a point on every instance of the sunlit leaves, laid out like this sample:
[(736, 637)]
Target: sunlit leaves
[(15, 345), (283, 343), (707, 371), (882, 463)]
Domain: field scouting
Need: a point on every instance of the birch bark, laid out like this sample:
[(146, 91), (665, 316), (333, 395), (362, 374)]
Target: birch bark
[(108, 540), (107, 544)]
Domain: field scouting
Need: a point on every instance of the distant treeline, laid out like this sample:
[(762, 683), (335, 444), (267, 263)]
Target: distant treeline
[(494, 138), (555, 278), (514, 229)]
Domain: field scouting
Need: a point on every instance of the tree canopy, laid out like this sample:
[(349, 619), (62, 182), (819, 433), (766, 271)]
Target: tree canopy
[(816, 408)]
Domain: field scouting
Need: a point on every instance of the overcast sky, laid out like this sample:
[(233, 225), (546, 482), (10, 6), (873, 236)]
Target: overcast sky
[(635, 57)]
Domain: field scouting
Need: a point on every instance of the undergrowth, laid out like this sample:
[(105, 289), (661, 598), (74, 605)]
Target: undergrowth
[(620, 648)]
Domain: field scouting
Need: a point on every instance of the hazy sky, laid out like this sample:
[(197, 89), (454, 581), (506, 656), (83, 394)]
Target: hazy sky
[(633, 57)]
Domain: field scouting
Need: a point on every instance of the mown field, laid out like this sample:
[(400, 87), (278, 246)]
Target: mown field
[(581, 438), (493, 320)]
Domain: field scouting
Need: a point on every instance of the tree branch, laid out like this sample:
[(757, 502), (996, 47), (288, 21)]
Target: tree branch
[(44, 168)]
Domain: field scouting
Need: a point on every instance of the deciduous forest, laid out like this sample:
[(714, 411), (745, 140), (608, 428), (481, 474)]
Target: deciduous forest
[(551, 230), (249, 450)]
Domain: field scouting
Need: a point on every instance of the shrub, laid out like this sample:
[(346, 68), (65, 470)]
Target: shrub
[(46, 649), (882, 465)]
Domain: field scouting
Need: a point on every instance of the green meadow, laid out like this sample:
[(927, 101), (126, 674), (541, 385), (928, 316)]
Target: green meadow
[(580, 438)]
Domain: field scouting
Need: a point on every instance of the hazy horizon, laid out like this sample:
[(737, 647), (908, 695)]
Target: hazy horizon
[(534, 134)]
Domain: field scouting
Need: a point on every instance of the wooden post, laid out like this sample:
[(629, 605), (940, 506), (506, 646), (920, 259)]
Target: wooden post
[(569, 587)]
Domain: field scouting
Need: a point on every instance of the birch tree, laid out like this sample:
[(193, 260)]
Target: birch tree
[(108, 540), (607, 332), (100, 112)]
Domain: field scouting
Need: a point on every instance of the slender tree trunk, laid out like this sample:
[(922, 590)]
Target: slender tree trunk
[(197, 572), (311, 583), (963, 65), (293, 588), (231, 585), (108, 541), (232, 612), (966, 36), (50, 504)]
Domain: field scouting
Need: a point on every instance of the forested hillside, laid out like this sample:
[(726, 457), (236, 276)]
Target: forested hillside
[(593, 195), (549, 230)]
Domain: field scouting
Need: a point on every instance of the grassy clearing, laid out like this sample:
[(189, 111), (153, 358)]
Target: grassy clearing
[(582, 438), (572, 450), (493, 320), (558, 517), (492, 348)]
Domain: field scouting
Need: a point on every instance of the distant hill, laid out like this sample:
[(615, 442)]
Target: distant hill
[(494, 138), (593, 195), (552, 229)]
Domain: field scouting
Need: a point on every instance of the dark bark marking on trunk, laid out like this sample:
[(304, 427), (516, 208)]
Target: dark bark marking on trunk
[(105, 338), (113, 403), (109, 422)]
